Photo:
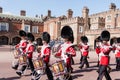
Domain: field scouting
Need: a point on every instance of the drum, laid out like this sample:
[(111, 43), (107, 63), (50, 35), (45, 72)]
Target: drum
[(39, 65), (56, 47), (16, 54), (59, 68), (22, 59)]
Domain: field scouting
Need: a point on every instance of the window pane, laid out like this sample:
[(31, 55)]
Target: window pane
[(35, 29), (27, 28), (4, 26)]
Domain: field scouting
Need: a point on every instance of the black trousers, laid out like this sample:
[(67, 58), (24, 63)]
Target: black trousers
[(70, 77), (117, 63), (48, 72), (103, 71), (81, 58), (30, 63), (72, 61), (84, 61)]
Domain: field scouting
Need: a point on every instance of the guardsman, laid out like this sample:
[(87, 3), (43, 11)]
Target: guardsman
[(67, 51), (29, 52), (97, 48), (20, 47), (45, 53), (84, 48), (105, 49), (117, 54)]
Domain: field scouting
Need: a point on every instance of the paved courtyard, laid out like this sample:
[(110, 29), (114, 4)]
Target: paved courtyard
[(7, 73)]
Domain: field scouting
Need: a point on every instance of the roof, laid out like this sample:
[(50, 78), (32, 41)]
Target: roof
[(14, 17)]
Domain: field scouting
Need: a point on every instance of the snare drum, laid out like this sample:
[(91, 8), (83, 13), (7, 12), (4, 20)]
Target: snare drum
[(16, 54), (23, 59), (39, 65), (59, 68)]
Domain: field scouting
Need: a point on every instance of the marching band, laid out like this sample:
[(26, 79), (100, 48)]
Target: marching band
[(62, 68)]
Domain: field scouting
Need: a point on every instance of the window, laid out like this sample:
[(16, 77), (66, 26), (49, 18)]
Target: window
[(108, 18), (94, 27), (4, 26), (34, 29), (27, 28), (109, 27), (80, 29)]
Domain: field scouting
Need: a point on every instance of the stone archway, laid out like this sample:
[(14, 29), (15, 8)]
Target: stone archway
[(4, 40), (16, 40)]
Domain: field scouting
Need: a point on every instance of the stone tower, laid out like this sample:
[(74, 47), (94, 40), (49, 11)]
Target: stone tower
[(85, 16), (49, 13)]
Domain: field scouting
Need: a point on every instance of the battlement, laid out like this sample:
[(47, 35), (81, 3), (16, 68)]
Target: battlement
[(97, 20), (69, 20)]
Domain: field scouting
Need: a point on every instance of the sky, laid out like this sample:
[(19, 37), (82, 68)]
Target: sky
[(57, 7)]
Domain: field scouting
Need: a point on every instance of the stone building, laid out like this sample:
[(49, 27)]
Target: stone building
[(11, 24), (89, 25)]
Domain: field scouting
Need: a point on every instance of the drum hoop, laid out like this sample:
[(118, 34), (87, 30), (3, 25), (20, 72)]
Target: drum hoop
[(57, 61), (39, 68)]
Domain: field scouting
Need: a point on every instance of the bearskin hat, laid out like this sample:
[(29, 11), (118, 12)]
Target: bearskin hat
[(118, 40), (67, 32), (46, 37), (84, 39), (98, 39), (113, 40), (39, 41), (71, 39), (30, 37), (22, 33), (105, 35)]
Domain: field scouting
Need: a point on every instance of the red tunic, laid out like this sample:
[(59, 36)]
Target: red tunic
[(84, 49), (66, 52), (117, 51), (97, 49), (45, 53), (104, 54), (22, 45), (29, 50)]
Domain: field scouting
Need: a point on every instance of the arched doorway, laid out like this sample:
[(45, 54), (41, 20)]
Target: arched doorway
[(16, 40), (4, 40)]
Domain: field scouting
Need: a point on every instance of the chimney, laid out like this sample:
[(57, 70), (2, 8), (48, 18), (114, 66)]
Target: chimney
[(69, 13), (41, 16), (36, 16), (49, 13), (23, 13), (112, 6), (1, 9)]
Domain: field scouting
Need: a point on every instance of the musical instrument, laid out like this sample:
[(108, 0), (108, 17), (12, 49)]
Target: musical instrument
[(22, 59), (16, 54), (59, 68), (39, 65)]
